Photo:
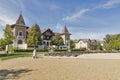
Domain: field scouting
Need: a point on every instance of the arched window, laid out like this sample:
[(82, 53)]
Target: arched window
[(43, 43), (47, 43), (20, 41)]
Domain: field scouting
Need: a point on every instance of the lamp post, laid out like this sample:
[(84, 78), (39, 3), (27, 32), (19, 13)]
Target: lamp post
[(68, 45)]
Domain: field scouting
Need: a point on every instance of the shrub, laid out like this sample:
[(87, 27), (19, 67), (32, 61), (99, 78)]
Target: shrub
[(42, 50), (12, 50), (81, 49), (23, 50), (60, 50)]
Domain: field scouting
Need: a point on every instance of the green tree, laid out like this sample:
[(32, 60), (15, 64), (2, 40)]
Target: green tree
[(99, 47), (34, 36), (114, 45), (8, 35), (112, 42), (111, 37), (2, 43), (72, 44), (57, 40)]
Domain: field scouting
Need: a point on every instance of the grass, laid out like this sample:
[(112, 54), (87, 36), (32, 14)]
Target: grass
[(15, 55), (4, 56)]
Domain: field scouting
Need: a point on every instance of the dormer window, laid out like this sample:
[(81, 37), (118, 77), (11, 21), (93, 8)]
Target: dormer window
[(20, 33), (47, 37)]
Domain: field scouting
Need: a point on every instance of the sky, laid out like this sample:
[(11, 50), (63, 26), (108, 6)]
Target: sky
[(84, 18)]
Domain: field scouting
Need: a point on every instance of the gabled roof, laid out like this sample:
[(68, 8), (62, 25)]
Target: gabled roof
[(20, 20), (93, 40), (84, 40), (43, 31)]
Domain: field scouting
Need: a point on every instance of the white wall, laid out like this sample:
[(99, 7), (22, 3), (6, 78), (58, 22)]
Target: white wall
[(81, 44)]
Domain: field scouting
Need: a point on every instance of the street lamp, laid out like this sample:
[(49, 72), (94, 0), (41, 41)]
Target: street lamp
[(68, 45)]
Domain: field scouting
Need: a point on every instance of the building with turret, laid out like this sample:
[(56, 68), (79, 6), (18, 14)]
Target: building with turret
[(20, 32), (66, 37)]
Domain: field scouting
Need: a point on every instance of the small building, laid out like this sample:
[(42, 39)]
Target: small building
[(93, 44), (89, 44), (46, 36), (83, 43)]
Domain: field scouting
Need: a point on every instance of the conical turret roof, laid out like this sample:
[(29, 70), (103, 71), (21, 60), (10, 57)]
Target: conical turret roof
[(65, 30), (20, 20)]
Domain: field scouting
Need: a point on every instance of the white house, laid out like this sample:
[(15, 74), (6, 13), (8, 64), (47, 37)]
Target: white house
[(89, 44), (83, 43)]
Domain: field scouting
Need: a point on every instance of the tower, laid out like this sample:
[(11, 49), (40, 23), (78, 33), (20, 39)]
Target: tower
[(66, 37), (20, 32)]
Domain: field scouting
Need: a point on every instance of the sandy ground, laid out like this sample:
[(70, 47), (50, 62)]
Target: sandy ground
[(84, 67)]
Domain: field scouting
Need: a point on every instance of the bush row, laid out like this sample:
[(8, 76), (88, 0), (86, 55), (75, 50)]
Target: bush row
[(82, 49), (30, 50), (62, 50), (63, 54), (75, 54), (45, 50)]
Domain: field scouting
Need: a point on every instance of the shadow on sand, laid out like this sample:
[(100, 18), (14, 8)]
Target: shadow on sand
[(12, 74)]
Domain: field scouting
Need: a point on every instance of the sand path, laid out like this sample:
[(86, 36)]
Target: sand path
[(83, 67)]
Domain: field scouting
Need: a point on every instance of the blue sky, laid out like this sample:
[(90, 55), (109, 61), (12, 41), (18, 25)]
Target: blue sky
[(83, 18)]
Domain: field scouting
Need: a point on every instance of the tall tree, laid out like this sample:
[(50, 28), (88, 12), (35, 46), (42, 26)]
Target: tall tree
[(112, 42), (34, 36), (8, 35), (57, 40), (2, 43), (111, 37)]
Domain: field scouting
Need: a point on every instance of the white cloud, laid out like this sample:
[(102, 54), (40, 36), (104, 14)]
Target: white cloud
[(6, 19), (75, 16), (8, 14), (3, 21), (59, 26), (109, 4)]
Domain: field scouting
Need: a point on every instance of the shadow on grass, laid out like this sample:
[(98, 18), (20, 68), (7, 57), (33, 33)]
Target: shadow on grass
[(12, 74)]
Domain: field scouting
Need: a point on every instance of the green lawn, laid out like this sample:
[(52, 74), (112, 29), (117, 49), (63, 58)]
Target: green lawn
[(16, 55)]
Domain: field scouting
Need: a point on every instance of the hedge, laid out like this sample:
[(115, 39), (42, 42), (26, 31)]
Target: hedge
[(60, 50), (81, 49), (30, 50)]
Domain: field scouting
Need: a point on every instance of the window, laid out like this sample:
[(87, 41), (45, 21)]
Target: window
[(20, 33), (20, 42), (47, 37)]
